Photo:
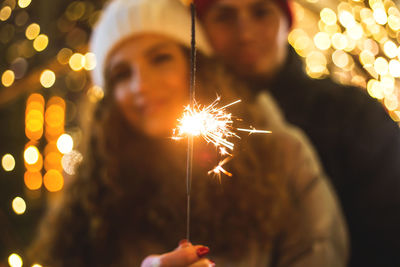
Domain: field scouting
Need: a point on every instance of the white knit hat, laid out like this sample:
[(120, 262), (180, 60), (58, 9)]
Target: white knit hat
[(122, 19)]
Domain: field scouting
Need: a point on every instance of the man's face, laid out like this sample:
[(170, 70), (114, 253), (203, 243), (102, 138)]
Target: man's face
[(250, 36)]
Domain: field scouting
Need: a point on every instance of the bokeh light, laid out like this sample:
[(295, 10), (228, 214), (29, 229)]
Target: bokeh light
[(41, 42), (71, 161), (90, 61), (32, 31), (31, 155), (24, 3), (8, 162), (65, 143), (322, 41), (5, 13), (394, 68), (53, 161), (53, 181), (64, 55), (33, 180), (47, 78), (19, 205), (95, 93), (8, 77), (77, 61), (328, 16), (381, 66), (390, 49), (14, 260)]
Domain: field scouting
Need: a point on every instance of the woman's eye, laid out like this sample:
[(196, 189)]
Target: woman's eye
[(161, 58), (120, 75), (261, 12)]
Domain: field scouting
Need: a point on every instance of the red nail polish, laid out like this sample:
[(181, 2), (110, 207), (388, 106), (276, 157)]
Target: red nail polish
[(212, 262), (202, 251), (183, 241)]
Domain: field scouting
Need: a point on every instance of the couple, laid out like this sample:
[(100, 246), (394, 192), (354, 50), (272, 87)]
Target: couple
[(126, 206)]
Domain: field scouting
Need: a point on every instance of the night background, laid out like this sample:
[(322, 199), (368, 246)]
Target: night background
[(45, 64)]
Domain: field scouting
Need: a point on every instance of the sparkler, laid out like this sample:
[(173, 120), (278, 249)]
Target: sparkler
[(213, 123)]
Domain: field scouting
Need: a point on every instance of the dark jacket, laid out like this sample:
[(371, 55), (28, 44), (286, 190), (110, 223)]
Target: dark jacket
[(359, 146)]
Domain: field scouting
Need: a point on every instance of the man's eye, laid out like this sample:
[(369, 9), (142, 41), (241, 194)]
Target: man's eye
[(225, 17), (161, 58)]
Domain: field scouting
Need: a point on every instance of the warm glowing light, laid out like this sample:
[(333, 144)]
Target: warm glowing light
[(340, 58), (367, 16), (5, 13), (328, 16), (339, 41), (64, 55), (53, 180), (19, 205), (390, 49), (31, 155), (316, 62), (33, 180), (387, 83), (90, 61), (65, 143), (394, 22), (374, 89), (14, 260), (53, 161), (346, 19), (77, 61), (35, 167), (71, 161), (381, 66), (8, 162), (23, 3), (47, 78), (36, 265), (32, 31), (7, 79), (380, 16), (391, 102), (213, 124), (355, 32), (394, 68), (95, 93), (41, 42), (322, 41)]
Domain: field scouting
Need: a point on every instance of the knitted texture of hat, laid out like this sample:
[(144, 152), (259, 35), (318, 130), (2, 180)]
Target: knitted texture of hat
[(203, 5), (123, 19)]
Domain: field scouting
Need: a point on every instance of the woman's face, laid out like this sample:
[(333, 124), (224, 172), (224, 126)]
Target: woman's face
[(149, 79)]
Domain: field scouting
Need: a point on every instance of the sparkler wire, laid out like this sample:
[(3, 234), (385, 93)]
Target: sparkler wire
[(189, 158)]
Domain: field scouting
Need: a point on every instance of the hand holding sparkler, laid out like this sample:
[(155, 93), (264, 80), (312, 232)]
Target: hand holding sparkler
[(184, 255)]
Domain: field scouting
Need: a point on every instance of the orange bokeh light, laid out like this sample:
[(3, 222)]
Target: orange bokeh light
[(53, 180), (37, 166), (53, 161), (33, 180)]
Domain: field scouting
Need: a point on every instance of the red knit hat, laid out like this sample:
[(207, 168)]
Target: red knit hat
[(203, 5)]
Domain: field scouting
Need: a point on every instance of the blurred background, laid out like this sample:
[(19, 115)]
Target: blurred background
[(45, 65)]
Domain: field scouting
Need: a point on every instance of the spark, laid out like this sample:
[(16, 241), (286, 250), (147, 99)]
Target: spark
[(215, 125)]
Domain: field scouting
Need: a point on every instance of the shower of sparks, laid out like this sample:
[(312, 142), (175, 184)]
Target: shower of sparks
[(215, 125)]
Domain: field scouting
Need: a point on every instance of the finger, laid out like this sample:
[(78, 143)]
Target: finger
[(184, 243), (203, 263), (184, 256), (151, 261)]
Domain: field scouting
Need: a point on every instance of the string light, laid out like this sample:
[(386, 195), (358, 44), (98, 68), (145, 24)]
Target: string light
[(8, 162), (19, 205), (14, 260)]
